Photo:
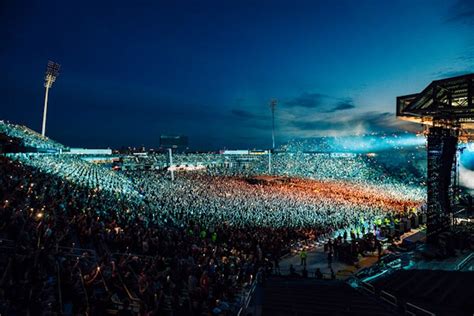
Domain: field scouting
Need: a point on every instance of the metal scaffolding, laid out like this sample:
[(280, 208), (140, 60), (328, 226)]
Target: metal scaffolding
[(446, 108)]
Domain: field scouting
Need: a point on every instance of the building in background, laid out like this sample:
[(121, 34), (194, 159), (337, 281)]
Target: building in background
[(177, 143)]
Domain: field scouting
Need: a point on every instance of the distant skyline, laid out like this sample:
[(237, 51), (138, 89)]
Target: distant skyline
[(132, 70)]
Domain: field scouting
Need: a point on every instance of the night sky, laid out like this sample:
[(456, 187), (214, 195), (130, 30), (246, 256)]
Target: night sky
[(132, 70)]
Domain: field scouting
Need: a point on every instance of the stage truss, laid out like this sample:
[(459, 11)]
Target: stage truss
[(446, 109)]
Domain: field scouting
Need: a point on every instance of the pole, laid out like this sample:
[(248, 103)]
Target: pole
[(273, 127), (273, 104), (45, 111), (269, 162), (171, 163)]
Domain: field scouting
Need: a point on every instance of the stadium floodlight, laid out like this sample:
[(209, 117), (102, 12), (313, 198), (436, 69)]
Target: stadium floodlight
[(52, 72), (273, 104)]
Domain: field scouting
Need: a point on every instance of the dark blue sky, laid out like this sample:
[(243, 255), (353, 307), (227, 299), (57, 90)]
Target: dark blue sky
[(132, 70)]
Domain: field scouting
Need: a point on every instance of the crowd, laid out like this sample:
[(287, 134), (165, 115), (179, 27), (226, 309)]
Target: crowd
[(73, 248), (80, 238), (292, 203), (79, 171), (29, 137), (344, 188), (360, 169), (400, 174), (372, 142), (136, 240)]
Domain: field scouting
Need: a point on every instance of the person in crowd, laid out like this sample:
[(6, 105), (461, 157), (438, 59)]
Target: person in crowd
[(304, 272), (303, 256), (292, 270), (330, 259), (318, 275)]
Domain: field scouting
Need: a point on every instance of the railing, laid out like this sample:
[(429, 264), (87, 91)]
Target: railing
[(247, 298), (6, 272), (311, 275), (367, 286), (465, 261), (412, 309), (85, 292), (249, 294), (409, 308), (135, 301), (389, 298)]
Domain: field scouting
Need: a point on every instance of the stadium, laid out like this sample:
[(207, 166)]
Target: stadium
[(237, 158), (107, 229)]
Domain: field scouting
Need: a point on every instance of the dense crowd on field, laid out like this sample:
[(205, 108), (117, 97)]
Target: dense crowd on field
[(372, 142), (212, 196), (401, 174), (104, 252), (136, 240), (80, 238)]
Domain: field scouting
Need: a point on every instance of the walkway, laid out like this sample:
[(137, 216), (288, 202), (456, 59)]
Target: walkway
[(317, 258)]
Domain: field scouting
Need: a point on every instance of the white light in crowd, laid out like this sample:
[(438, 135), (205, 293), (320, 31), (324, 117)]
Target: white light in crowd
[(470, 146)]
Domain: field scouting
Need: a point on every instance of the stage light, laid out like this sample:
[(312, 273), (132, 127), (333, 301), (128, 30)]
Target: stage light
[(374, 143)]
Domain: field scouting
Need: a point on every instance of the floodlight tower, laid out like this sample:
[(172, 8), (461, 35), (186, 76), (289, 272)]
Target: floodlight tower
[(273, 104), (52, 72)]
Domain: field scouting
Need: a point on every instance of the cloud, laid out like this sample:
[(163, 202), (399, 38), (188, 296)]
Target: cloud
[(313, 125), (447, 73), (345, 104), (319, 100), (462, 12), (461, 65), (247, 114), (366, 122), (307, 100), (468, 56), (242, 113)]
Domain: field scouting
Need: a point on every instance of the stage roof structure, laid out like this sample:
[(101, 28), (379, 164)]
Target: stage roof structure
[(444, 103), (446, 108)]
